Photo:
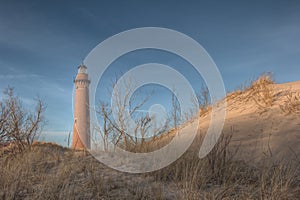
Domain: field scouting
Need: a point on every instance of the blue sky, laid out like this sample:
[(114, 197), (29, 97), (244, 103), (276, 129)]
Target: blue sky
[(42, 43)]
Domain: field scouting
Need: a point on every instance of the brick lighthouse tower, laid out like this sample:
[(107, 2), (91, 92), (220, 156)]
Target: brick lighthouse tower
[(81, 130)]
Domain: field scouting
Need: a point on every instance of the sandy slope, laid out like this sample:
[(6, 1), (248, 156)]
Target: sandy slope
[(261, 129)]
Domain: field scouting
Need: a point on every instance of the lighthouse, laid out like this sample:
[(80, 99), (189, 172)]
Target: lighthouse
[(81, 129)]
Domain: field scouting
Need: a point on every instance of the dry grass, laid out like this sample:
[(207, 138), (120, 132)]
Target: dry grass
[(291, 103), (260, 92), (52, 172), (221, 176), (49, 171)]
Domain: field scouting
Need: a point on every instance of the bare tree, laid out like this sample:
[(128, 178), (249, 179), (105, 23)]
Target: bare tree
[(203, 99), (175, 110), (3, 119), (16, 124), (105, 131), (116, 126), (143, 124)]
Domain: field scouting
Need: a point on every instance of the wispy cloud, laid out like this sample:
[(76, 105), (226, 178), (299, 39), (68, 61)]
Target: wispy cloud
[(55, 133), (27, 101), (18, 76), (59, 137)]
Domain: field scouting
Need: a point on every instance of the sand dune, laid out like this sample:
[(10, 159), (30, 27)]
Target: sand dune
[(264, 121)]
